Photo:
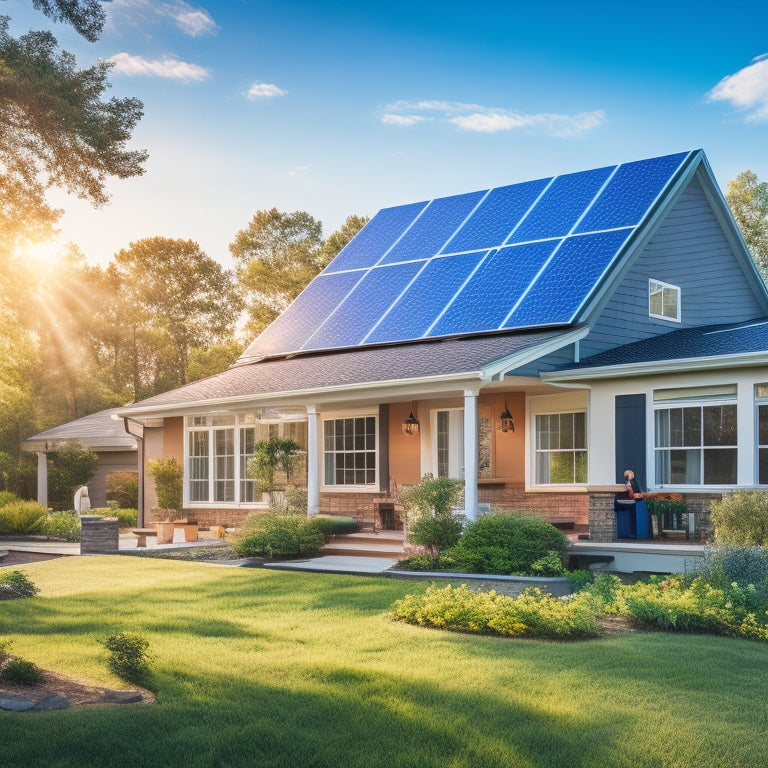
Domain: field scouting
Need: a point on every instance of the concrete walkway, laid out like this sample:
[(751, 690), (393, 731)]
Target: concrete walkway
[(335, 564)]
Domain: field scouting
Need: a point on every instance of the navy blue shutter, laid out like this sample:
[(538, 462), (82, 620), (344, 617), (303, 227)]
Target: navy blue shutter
[(630, 438)]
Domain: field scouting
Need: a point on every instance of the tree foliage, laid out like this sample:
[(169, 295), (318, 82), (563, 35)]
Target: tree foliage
[(278, 254), (748, 200), (56, 127), (69, 468)]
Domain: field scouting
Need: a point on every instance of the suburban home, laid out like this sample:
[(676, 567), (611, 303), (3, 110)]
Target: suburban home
[(536, 340), (99, 432)]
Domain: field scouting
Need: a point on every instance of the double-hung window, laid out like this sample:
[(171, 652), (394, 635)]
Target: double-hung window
[(349, 451), (696, 439), (761, 402), (561, 448)]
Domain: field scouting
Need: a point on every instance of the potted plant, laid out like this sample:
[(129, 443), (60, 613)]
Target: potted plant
[(269, 457), (168, 475)]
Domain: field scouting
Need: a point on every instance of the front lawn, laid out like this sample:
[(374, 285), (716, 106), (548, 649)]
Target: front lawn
[(264, 668)]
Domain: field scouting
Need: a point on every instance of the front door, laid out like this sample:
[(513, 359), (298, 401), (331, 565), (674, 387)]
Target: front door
[(448, 443)]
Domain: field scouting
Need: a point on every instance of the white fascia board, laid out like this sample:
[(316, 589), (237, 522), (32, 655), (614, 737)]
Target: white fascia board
[(313, 395), (684, 365), (498, 368)]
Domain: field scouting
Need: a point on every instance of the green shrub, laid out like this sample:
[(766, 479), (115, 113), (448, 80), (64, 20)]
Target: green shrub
[(532, 614), (22, 517), (274, 535), (6, 497), (15, 585), (123, 488), (22, 672), (431, 513), (506, 543), (169, 482), (62, 525), (549, 565), (128, 656), (427, 562), (606, 589), (5, 649), (332, 525), (580, 579), (744, 565), (296, 500), (674, 605), (69, 468), (741, 519)]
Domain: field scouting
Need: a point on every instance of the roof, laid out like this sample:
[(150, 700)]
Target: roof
[(693, 346), (516, 257), (353, 368), (98, 432)]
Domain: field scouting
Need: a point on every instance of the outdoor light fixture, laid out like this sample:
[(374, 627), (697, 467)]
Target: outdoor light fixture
[(411, 425), (507, 425)]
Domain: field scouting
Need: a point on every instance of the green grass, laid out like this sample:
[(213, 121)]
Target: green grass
[(262, 668)]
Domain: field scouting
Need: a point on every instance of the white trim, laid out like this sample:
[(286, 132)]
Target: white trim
[(676, 289), (357, 413)]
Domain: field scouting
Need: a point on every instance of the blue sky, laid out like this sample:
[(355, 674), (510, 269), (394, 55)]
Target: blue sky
[(348, 107)]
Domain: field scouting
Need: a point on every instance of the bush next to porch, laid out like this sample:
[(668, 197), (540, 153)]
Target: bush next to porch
[(741, 519), (505, 543), (274, 535), (22, 517), (169, 478), (431, 513)]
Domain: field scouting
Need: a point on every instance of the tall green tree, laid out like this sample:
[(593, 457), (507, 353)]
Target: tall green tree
[(178, 299), (748, 201), (278, 254), (56, 128)]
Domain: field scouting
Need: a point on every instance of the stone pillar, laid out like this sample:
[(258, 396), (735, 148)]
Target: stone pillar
[(313, 480), (42, 478), (602, 521), (99, 535), (470, 454)]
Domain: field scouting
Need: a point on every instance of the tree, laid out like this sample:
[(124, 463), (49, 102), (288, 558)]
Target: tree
[(748, 200), (69, 468), (278, 254), (179, 299), (55, 128)]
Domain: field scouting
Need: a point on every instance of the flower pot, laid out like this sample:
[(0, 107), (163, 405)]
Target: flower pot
[(164, 532)]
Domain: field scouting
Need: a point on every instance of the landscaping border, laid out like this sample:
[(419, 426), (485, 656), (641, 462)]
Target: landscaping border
[(559, 586)]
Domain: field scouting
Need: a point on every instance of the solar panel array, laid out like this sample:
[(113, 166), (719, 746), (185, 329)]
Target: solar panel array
[(525, 255)]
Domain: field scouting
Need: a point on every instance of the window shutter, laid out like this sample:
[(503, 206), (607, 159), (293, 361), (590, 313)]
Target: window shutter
[(630, 438)]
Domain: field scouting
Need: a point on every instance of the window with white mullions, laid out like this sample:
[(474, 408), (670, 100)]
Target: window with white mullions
[(349, 451), (663, 300), (696, 444), (561, 448), (761, 400)]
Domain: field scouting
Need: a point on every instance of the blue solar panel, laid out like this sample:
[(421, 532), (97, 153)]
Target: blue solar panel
[(490, 225), (376, 238), (426, 297), (493, 290), (631, 191), (294, 326), (561, 205), (358, 313), (568, 279), (438, 222)]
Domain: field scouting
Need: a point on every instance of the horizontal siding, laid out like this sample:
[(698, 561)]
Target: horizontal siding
[(691, 251)]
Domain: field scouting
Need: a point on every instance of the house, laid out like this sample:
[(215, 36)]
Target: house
[(535, 339), (99, 432)]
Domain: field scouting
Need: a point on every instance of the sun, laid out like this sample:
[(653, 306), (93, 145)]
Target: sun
[(42, 255)]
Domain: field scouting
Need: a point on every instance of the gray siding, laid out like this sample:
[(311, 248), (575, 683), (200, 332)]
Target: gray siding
[(691, 251), (109, 462)]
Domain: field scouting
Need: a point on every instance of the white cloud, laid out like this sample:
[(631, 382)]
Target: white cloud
[(298, 170), (390, 119), (746, 89), (475, 117), (169, 67), (142, 13), (263, 91)]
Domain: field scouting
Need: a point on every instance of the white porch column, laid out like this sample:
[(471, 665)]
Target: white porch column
[(313, 465), (42, 478), (470, 454)]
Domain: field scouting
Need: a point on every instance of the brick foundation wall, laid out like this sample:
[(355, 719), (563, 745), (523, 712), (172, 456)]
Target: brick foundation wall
[(548, 505)]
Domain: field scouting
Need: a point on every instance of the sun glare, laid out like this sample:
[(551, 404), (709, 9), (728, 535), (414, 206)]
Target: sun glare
[(44, 255)]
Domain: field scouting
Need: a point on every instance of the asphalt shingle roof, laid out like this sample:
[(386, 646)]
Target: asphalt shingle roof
[(97, 431), (351, 367), (687, 343)]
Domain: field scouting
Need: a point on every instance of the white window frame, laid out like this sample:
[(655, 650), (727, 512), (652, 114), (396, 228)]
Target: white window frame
[(701, 402), (456, 459), (536, 451), (761, 400), (659, 286), (239, 422), (340, 416)]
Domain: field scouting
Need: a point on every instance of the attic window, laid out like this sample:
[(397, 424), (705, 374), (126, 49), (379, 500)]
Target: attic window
[(664, 301)]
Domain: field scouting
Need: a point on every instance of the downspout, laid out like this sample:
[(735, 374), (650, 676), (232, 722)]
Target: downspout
[(140, 444)]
